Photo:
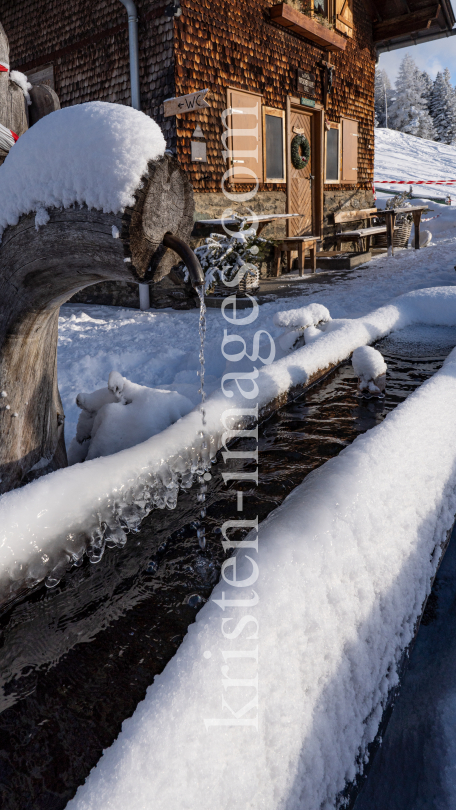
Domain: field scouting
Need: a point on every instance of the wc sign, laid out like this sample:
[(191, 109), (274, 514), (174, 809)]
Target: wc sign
[(186, 104)]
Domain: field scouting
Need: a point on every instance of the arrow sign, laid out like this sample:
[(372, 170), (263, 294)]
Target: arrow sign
[(185, 104)]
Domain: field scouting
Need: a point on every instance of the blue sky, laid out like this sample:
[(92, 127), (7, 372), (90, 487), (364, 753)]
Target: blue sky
[(430, 56)]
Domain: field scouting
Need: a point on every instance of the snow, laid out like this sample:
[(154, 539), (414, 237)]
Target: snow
[(23, 82), (122, 415), (399, 156), (343, 568), (309, 315), (368, 365), (91, 154)]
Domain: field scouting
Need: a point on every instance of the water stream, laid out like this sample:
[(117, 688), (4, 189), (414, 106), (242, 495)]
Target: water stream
[(205, 476), (76, 660)]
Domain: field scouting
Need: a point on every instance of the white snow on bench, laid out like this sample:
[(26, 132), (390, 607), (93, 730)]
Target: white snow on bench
[(52, 520), (344, 567), (93, 154)]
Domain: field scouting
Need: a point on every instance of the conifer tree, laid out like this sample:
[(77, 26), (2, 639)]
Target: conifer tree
[(443, 107), (382, 97), (409, 108)]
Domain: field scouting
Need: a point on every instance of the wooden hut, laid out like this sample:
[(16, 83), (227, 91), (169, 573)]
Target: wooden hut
[(306, 66)]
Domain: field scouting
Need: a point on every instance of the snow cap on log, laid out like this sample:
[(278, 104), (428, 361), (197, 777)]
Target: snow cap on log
[(302, 317), (94, 154)]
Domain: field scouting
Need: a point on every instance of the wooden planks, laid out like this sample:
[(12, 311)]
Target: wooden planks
[(353, 215)]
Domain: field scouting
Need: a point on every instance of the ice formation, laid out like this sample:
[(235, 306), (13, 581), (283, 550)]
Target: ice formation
[(344, 566), (121, 416), (370, 368), (93, 154), (51, 522)]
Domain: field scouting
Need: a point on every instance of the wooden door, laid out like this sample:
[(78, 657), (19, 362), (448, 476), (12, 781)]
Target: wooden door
[(301, 188)]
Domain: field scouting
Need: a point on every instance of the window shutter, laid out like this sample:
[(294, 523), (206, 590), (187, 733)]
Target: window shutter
[(344, 17), (349, 150), (245, 141)]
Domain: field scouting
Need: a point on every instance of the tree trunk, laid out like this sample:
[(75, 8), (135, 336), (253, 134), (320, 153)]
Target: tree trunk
[(39, 271)]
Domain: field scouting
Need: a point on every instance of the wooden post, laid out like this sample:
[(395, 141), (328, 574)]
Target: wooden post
[(416, 222), (40, 270), (301, 254)]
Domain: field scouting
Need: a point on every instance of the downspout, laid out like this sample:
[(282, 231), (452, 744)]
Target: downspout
[(144, 297)]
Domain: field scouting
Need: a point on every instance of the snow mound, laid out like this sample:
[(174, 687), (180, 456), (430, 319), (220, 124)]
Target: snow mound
[(279, 686), (92, 154), (369, 365), (303, 317), (121, 416)]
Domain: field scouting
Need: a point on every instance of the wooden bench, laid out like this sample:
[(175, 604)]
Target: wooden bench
[(299, 244), (358, 235)]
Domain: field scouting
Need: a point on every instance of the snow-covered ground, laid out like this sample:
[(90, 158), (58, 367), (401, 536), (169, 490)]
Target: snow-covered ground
[(399, 156)]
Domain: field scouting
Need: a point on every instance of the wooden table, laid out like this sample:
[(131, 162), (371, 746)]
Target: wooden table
[(391, 214), (204, 227)]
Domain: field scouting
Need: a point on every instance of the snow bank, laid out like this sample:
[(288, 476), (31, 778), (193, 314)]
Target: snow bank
[(121, 416), (369, 365), (344, 567), (93, 154), (52, 521)]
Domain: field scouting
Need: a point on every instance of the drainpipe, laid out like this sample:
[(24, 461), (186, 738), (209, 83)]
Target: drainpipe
[(144, 297)]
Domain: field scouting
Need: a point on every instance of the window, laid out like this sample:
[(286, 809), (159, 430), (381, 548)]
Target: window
[(349, 150), (274, 145), (242, 139), (332, 163)]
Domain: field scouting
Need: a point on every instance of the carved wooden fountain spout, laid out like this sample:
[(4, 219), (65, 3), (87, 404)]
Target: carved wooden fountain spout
[(42, 268)]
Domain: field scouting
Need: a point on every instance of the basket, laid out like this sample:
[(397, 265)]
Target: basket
[(249, 283), (401, 235)]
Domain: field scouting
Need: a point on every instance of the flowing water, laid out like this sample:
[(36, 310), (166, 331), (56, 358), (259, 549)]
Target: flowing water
[(205, 477), (76, 660)]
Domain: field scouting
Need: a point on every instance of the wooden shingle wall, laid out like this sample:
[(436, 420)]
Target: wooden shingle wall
[(87, 43), (226, 43)]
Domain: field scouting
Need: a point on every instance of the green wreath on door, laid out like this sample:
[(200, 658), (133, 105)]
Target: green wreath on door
[(298, 159)]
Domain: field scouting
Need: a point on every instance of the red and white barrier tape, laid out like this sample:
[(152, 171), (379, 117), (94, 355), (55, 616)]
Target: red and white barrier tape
[(428, 219), (414, 182)]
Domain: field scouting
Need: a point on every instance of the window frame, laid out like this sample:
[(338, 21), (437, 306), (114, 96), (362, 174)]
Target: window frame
[(339, 166), (277, 113)]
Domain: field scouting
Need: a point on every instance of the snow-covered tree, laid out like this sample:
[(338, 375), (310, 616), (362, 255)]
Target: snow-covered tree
[(443, 107), (428, 85), (408, 109), (382, 97)]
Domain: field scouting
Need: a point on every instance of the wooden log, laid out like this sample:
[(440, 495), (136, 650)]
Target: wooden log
[(39, 271), (44, 101)]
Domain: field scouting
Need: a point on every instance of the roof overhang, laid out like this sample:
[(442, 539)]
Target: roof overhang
[(399, 23)]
